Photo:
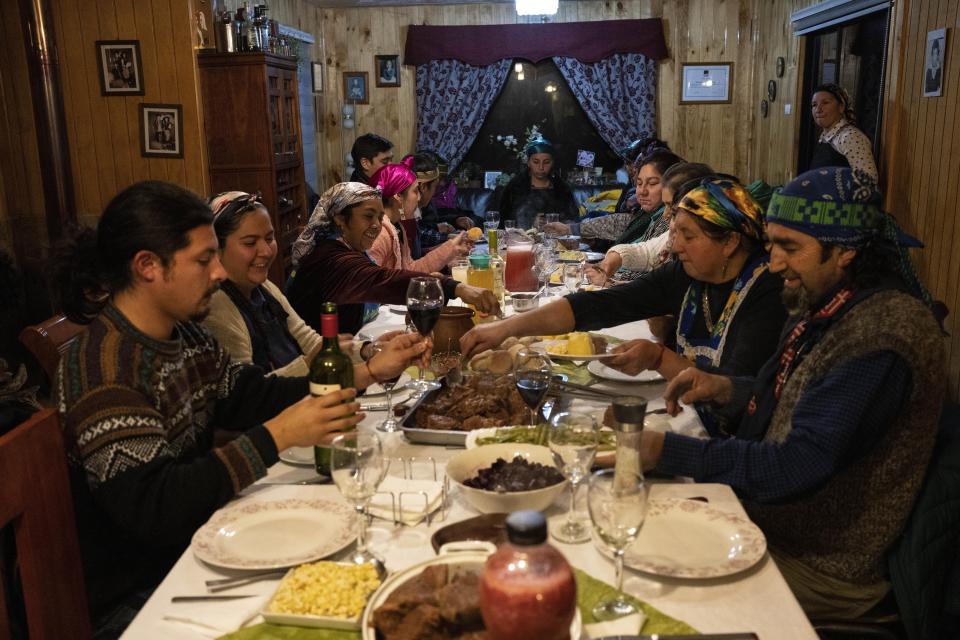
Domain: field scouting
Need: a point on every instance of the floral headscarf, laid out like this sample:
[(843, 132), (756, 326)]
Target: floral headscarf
[(726, 204), (321, 225)]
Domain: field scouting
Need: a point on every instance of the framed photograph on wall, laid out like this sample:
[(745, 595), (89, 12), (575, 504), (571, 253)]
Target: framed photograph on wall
[(316, 72), (356, 87), (706, 83), (933, 63), (388, 71), (120, 68), (161, 131)]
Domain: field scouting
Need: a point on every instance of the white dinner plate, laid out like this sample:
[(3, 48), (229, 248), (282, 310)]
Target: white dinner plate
[(603, 371), (274, 534), (299, 456), (399, 309), (690, 539)]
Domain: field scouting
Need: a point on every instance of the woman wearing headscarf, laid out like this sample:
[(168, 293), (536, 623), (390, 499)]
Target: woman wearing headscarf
[(330, 262), (726, 300), (252, 319), (841, 143), (391, 249), (536, 189)]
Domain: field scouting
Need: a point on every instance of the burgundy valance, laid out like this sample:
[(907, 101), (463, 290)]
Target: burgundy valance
[(586, 41)]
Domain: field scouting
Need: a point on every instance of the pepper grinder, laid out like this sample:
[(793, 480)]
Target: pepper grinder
[(629, 413)]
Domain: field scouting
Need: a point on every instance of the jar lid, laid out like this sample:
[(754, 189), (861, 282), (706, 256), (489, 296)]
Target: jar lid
[(629, 412), (480, 261), (526, 528)]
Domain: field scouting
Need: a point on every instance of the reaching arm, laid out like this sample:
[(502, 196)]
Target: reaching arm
[(556, 317)]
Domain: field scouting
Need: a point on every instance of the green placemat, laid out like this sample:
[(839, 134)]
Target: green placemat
[(589, 592)]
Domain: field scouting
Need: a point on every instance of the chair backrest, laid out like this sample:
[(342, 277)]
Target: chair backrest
[(925, 564), (48, 340), (35, 500)]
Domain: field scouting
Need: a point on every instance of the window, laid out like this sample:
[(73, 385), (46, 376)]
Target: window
[(540, 98)]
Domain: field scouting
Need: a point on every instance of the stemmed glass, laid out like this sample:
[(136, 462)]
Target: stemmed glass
[(390, 423), (424, 303), (531, 373), (618, 505), (358, 467), (573, 440), (573, 276), (544, 264)]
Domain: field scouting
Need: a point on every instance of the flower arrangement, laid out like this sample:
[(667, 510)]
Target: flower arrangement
[(512, 144)]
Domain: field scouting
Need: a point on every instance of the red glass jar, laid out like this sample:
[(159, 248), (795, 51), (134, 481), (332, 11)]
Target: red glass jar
[(527, 589)]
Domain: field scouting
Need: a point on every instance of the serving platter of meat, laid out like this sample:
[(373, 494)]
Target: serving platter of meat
[(479, 401), (434, 600)]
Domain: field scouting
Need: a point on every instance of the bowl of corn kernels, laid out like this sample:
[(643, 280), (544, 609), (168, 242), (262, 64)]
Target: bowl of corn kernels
[(323, 594)]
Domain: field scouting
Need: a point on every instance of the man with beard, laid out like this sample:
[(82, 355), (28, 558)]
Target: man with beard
[(837, 429), (143, 387)]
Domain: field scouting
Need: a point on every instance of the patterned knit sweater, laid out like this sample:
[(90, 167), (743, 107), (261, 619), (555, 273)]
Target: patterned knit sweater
[(138, 415)]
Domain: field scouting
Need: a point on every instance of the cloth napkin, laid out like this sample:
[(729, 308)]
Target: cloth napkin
[(381, 506), (627, 625), (212, 619)]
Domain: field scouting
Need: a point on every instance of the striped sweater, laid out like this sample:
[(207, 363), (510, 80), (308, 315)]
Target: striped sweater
[(138, 415)]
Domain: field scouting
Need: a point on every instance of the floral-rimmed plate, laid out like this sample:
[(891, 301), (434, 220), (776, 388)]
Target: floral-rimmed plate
[(603, 371), (274, 534), (690, 539)]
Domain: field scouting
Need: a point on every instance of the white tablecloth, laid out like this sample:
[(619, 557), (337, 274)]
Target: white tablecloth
[(757, 600)]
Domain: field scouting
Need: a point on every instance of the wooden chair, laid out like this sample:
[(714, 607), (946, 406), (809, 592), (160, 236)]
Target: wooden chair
[(35, 500), (48, 340)]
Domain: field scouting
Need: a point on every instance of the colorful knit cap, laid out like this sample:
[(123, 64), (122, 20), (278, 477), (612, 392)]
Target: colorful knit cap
[(321, 225), (727, 204), (392, 179), (840, 206), (539, 145), (836, 206)]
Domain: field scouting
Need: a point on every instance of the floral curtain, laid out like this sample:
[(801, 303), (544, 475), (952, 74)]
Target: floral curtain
[(618, 94), (453, 99)]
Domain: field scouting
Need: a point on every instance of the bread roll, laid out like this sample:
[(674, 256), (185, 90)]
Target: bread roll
[(500, 362)]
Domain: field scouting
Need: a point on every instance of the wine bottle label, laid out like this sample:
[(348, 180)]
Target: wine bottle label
[(322, 389)]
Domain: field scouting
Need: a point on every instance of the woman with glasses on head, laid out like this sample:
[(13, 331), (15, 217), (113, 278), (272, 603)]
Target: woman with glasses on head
[(252, 319)]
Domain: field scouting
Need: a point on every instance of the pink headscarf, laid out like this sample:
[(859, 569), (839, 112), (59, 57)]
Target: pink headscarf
[(392, 179)]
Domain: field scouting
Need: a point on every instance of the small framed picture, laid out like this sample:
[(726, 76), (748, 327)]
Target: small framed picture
[(316, 71), (161, 131), (490, 179), (121, 71), (355, 87), (388, 71), (706, 83), (933, 64)]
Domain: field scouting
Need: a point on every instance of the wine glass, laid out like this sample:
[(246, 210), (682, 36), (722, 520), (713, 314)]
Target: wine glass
[(390, 423), (573, 440), (548, 220), (617, 501), (358, 467), (531, 373), (424, 303), (573, 276)]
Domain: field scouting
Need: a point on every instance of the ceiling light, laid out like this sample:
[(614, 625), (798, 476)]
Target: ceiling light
[(520, 76), (537, 7), (518, 67)]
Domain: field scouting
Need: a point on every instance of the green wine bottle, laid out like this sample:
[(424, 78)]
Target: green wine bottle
[(331, 370)]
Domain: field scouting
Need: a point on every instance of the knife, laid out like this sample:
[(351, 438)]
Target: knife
[(703, 636), (205, 597)]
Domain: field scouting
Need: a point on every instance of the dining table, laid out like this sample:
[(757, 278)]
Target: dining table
[(756, 599)]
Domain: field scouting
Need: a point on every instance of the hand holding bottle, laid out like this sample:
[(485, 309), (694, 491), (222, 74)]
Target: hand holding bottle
[(315, 419)]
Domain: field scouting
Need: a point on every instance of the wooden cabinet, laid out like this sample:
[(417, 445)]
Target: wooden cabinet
[(252, 121)]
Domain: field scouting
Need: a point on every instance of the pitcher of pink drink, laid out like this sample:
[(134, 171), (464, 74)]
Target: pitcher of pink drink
[(519, 274)]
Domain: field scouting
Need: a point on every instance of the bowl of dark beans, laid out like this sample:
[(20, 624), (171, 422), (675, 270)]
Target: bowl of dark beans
[(501, 478)]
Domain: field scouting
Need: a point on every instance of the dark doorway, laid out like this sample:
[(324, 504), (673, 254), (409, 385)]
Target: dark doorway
[(853, 55), (537, 94)]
